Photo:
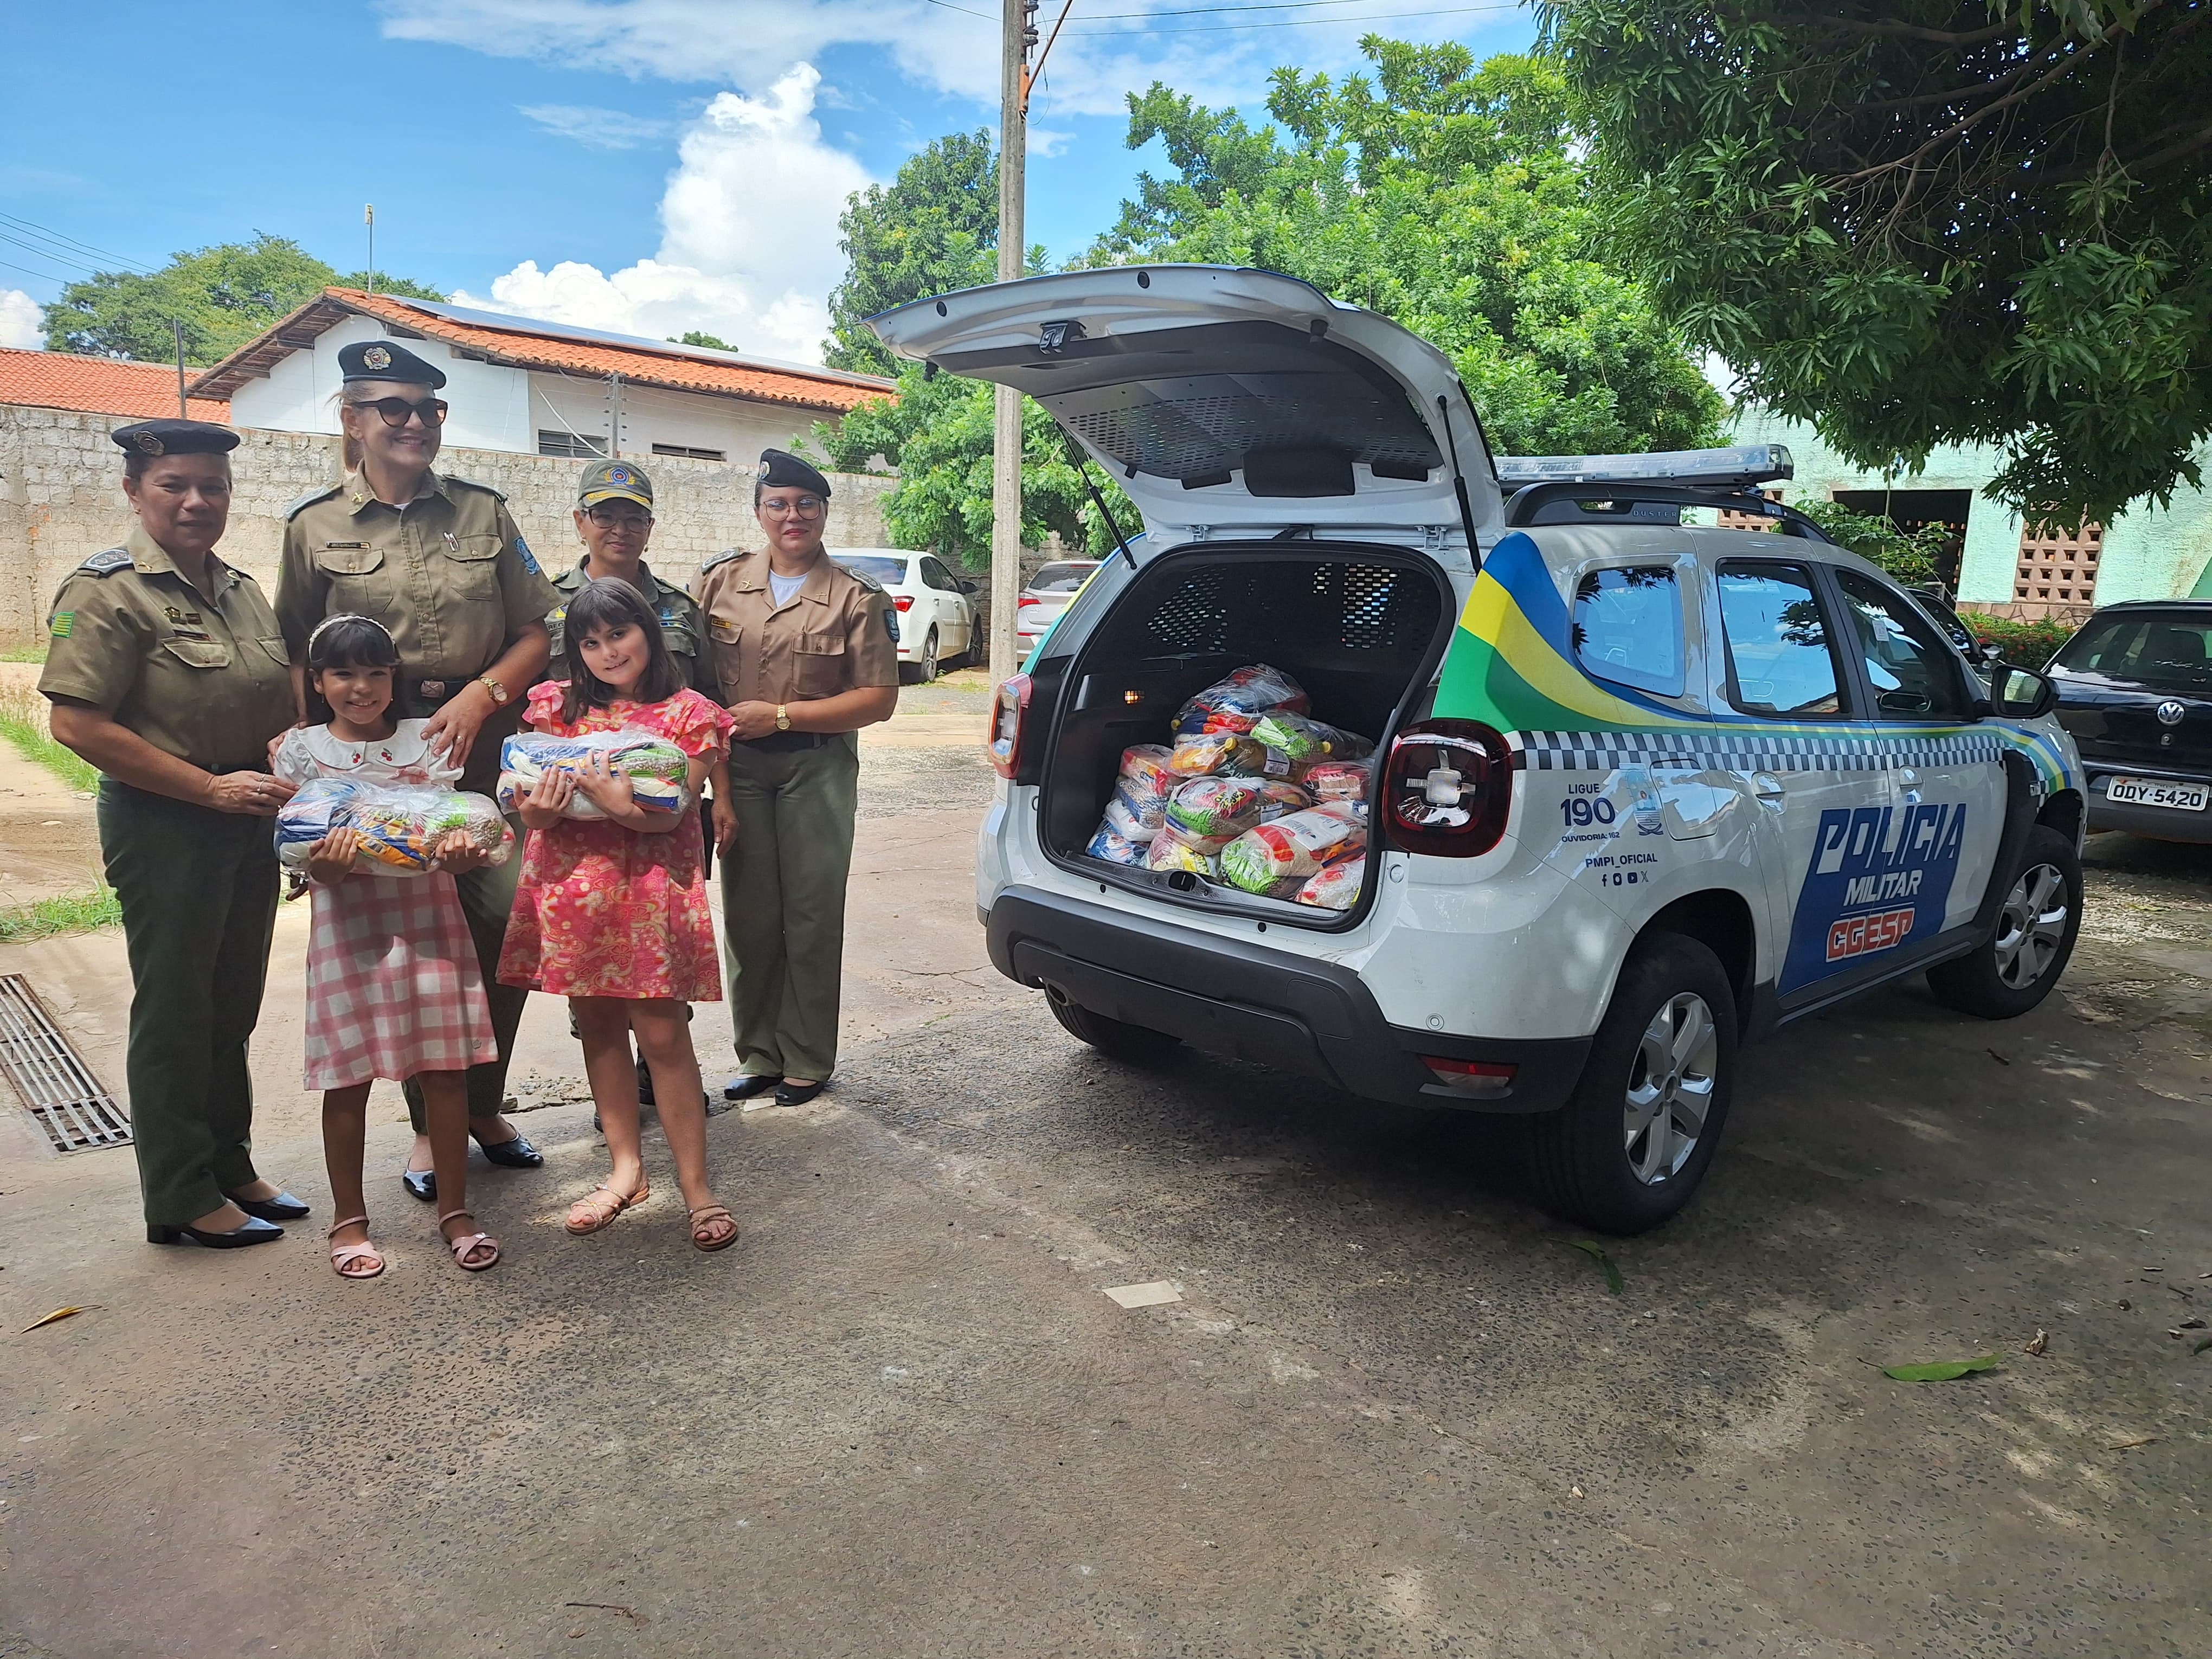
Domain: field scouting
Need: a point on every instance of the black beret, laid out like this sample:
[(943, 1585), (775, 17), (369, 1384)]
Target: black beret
[(782, 470), (174, 438), (386, 360)]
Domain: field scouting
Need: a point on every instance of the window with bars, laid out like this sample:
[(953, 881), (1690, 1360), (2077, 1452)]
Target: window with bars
[(575, 445), (689, 454), (2058, 566)]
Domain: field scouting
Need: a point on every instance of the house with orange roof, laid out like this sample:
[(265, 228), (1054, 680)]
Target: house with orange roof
[(536, 388), (97, 386)]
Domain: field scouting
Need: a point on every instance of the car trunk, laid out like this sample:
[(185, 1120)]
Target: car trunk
[(1360, 627)]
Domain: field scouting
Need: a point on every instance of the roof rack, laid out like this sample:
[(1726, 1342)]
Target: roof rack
[(1565, 501), (1739, 467)]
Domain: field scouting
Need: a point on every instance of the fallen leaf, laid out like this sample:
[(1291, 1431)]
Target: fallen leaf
[(2200, 1344), (1999, 1058), (1592, 1248), (58, 1313), (1941, 1370), (2140, 1440), (2041, 1341)]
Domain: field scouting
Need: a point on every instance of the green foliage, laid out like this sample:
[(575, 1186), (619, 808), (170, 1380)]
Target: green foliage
[(1912, 557), (700, 338), (1913, 222), (938, 435), (68, 912), (1445, 194), (223, 294), (2024, 644), (934, 227)]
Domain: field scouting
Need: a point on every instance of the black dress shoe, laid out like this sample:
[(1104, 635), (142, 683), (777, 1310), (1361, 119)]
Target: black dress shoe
[(645, 1083), (798, 1094), (255, 1231), (751, 1084), (515, 1154), (420, 1183), (283, 1207)]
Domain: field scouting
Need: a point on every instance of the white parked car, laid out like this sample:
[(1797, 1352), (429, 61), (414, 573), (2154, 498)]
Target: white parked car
[(937, 616), (1643, 791), (1044, 596)]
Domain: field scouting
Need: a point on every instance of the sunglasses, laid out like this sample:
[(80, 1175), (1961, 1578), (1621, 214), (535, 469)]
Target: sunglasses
[(431, 411)]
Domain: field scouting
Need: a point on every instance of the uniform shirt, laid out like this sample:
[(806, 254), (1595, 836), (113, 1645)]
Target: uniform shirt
[(682, 626), (201, 680), (448, 573), (832, 638)]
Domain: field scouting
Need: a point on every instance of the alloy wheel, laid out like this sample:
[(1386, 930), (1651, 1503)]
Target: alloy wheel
[(2032, 927), (1670, 1088)]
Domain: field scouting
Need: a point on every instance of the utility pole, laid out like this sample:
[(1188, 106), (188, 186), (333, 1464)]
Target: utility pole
[(1016, 37), (368, 218), (183, 411), (614, 417)]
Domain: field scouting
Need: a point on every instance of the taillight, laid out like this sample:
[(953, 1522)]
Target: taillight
[(1008, 713), (905, 601), (1470, 1077), (1447, 788)]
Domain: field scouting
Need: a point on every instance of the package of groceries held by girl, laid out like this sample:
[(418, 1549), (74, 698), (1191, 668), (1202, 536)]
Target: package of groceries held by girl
[(656, 768), (400, 824)]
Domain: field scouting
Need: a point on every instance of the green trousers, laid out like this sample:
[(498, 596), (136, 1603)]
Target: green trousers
[(783, 903), (198, 892), (487, 898)]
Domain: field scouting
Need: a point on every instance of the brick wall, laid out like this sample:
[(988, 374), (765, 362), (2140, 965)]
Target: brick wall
[(61, 501)]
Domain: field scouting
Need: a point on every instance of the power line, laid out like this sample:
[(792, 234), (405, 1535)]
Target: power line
[(42, 276), (1293, 22), (1277, 5), (36, 252), (68, 243)]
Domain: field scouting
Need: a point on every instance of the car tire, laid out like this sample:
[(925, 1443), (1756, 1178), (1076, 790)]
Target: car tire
[(1139, 1045), (925, 665), (1635, 1137), (2015, 969)]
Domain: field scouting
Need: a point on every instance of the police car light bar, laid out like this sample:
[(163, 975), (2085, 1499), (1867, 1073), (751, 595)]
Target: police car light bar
[(1739, 467)]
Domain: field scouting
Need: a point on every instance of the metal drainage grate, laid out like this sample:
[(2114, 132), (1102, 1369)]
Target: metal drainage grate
[(68, 1101)]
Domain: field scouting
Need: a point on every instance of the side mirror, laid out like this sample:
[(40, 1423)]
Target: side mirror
[(2021, 694), (967, 587)]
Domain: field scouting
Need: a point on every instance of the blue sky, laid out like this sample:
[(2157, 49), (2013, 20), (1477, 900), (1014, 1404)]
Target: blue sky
[(645, 165)]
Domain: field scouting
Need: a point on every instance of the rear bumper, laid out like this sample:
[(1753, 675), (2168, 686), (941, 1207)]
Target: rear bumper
[(1249, 1002), (2157, 823)]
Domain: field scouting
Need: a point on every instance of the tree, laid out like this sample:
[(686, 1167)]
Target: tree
[(933, 228), (1912, 557), (1911, 222), (223, 294), (693, 336), (1446, 195)]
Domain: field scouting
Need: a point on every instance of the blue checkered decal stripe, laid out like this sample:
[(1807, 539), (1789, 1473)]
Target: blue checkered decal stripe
[(1737, 751)]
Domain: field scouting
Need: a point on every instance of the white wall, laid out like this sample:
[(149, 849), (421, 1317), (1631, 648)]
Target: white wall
[(654, 415), (490, 404)]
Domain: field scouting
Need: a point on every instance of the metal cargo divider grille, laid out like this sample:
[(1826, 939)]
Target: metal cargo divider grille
[(1246, 607), (57, 1086)]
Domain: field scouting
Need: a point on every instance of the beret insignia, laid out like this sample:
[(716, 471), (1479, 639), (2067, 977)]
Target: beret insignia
[(376, 357), (149, 443)]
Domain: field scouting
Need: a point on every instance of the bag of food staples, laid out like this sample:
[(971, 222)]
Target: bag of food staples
[(1134, 818), (1177, 848), (1334, 886), (398, 824), (1214, 806), (1234, 704), (1112, 849), (1146, 772), (1296, 845), (1309, 740), (1279, 799), (1336, 780), (1247, 757), (656, 768), (1202, 753)]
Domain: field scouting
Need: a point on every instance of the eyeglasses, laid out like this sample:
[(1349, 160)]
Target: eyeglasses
[(431, 411), (607, 519), (805, 507)]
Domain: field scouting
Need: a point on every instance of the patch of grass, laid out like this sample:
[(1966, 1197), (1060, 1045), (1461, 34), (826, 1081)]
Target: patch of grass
[(25, 653), (68, 913), (23, 723)]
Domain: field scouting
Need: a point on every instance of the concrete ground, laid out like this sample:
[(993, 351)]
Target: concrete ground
[(1395, 1412)]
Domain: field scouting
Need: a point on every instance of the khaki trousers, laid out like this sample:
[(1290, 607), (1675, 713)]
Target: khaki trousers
[(783, 903)]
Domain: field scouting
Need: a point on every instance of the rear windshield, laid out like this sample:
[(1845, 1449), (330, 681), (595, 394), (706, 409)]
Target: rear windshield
[(874, 566), (1061, 578), (2165, 652)]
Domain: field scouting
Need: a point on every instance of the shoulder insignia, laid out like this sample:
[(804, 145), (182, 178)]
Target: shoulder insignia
[(863, 578), (528, 559), (723, 557), (107, 563), (312, 498)]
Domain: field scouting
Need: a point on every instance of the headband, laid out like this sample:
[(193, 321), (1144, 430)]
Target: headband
[(316, 632)]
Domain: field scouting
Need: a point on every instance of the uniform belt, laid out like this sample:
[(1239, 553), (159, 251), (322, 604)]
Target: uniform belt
[(784, 742), (434, 694)]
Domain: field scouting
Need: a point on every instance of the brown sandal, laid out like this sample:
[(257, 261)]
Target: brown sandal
[(598, 1207), (342, 1256), (705, 1215), (467, 1244)]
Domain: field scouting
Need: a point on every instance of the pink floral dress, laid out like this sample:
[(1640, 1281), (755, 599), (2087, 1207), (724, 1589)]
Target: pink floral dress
[(603, 911)]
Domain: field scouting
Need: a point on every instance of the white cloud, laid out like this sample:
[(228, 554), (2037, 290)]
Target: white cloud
[(22, 322), (595, 128), (748, 236)]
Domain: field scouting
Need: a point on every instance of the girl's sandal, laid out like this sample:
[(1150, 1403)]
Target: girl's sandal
[(468, 1244), (704, 1218), (598, 1207), (342, 1256)]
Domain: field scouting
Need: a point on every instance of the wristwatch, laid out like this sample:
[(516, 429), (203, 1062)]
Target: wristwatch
[(498, 691), (783, 717)]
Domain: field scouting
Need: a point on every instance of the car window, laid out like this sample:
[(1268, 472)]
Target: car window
[(876, 566), (1628, 627), (2161, 651), (1059, 578), (1779, 660), (1909, 667), (934, 575)]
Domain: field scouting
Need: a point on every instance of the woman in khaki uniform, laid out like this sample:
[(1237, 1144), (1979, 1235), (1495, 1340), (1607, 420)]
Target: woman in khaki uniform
[(166, 672), (803, 648), (439, 561)]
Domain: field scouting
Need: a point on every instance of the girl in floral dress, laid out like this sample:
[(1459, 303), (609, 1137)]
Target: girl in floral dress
[(612, 912), (393, 988)]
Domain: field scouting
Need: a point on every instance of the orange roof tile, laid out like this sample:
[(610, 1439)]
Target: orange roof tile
[(517, 342), (99, 385)]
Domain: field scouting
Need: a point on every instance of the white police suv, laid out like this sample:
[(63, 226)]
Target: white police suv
[(1641, 791)]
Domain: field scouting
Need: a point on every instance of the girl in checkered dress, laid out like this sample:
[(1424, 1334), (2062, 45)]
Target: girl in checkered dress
[(393, 988)]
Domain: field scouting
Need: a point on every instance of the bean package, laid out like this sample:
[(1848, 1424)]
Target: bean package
[(1252, 791), (398, 824), (656, 768)]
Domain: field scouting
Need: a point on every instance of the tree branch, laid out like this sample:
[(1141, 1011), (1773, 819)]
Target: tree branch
[(1883, 27), (2058, 71)]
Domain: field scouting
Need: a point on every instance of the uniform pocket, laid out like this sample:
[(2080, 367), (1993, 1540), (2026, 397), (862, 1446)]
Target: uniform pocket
[(200, 653), (276, 650), (819, 659), (472, 561), (359, 581)]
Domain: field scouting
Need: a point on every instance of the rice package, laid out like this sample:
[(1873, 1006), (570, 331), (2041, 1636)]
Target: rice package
[(1236, 704), (1334, 886), (1308, 740), (1336, 780), (1146, 772), (398, 824), (1135, 818), (1114, 849), (1176, 849), (1214, 806), (1296, 845), (1279, 799), (656, 768), (1247, 757), (1204, 752)]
